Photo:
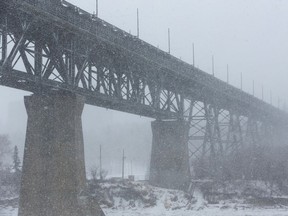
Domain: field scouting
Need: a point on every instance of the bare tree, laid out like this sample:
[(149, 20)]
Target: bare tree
[(94, 172), (103, 174), (16, 160), (98, 174)]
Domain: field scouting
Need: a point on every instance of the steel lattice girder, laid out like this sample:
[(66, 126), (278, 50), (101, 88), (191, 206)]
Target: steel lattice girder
[(218, 135), (74, 51), (56, 59)]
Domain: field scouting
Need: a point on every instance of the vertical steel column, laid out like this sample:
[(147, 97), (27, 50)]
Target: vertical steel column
[(4, 41), (38, 58), (206, 144), (72, 60), (90, 77), (197, 139), (213, 140), (253, 148), (233, 157), (234, 138)]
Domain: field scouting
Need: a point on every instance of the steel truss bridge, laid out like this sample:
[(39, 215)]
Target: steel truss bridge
[(53, 45)]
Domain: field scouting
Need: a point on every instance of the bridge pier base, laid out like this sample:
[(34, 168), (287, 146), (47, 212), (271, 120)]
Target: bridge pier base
[(53, 167), (169, 165)]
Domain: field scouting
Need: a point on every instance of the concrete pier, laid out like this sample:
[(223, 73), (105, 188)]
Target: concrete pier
[(169, 166), (53, 167)]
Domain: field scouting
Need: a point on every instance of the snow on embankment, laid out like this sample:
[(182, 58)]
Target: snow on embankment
[(254, 193), (126, 198), (127, 195), (135, 195)]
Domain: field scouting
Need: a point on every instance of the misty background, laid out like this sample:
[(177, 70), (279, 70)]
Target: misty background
[(251, 36)]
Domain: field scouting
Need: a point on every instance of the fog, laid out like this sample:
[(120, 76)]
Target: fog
[(249, 35), (113, 130)]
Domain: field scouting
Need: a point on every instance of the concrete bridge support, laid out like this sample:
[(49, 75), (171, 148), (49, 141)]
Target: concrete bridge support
[(169, 166), (53, 166)]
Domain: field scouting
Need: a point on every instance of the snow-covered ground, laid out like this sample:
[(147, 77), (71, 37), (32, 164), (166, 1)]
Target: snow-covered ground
[(118, 198), (159, 212), (206, 212), (8, 211)]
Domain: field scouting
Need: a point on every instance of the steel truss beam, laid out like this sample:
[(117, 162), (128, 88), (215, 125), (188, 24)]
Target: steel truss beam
[(38, 60), (55, 45), (219, 140)]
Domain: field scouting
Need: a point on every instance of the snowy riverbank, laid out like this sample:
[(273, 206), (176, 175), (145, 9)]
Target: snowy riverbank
[(211, 211), (241, 198)]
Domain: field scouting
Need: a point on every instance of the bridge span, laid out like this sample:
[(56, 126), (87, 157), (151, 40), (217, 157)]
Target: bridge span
[(67, 57)]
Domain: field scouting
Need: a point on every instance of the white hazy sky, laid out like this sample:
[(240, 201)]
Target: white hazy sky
[(249, 35)]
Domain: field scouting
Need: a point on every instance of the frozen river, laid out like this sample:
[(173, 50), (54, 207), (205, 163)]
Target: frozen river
[(155, 212)]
